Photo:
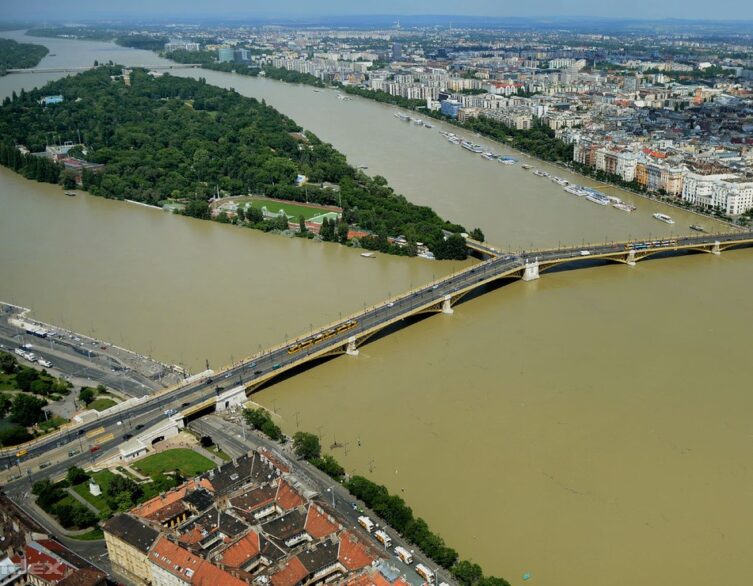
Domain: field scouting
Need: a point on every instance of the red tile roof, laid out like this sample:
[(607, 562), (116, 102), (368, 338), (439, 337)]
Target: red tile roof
[(317, 523), (242, 551), (287, 497), (189, 567), (352, 554), (292, 573)]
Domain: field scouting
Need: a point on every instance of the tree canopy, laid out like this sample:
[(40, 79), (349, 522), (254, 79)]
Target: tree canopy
[(166, 137)]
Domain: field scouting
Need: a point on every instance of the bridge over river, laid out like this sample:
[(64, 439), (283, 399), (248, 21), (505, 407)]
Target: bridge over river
[(232, 385), (78, 69)]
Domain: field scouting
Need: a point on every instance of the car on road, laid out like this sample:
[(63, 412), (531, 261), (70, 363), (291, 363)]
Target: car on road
[(252, 365), (185, 404), (94, 449), (257, 372), (170, 412), (127, 436), (585, 253), (73, 453), (45, 363), (44, 465), (140, 426), (435, 287), (275, 366), (391, 304)]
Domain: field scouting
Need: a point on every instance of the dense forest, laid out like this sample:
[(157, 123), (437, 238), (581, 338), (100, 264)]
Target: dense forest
[(175, 138), (145, 42), (15, 55)]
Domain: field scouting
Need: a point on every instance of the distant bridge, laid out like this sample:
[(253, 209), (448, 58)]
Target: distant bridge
[(76, 69)]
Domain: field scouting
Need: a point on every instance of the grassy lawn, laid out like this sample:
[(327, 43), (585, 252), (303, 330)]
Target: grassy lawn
[(93, 535), (103, 478), (101, 404), (218, 452), (187, 461), (53, 423), (290, 209), (7, 382)]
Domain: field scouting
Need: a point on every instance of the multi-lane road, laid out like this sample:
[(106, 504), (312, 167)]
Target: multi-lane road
[(335, 337)]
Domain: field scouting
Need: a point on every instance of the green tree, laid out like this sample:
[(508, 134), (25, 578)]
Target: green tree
[(13, 435), (27, 410), (76, 475), (25, 377), (329, 466), (477, 234), (467, 573), (86, 395), (5, 404), (306, 445), (8, 363), (453, 248), (302, 225)]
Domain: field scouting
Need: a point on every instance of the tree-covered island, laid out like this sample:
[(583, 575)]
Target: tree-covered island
[(14, 55), (162, 139)]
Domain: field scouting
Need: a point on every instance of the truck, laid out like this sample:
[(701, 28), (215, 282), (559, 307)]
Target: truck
[(425, 573), (366, 523), (45, 363), (404, 555), (383, 538)]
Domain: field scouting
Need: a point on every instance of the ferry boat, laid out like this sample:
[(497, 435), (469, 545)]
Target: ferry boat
[(576, 190), (597, 198), (614, 199), (697, 228), (625, 207), (468, 145), (663, 218), (506, 160)]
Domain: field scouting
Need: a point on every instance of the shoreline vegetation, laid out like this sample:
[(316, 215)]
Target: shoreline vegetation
[(14, 55), (172, 140), (538, 142), (390, 508)]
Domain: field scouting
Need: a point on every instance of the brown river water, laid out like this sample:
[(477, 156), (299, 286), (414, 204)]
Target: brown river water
[(591, 428)]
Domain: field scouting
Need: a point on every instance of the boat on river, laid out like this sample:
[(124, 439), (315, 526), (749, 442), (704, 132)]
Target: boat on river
[(664, 218)]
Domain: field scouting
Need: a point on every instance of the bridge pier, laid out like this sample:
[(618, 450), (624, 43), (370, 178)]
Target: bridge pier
[(351, 349), (446, 305), (631, 258), (531, 272), (716, 249)]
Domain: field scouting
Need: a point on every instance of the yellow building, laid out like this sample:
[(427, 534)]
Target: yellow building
[(128, 543)]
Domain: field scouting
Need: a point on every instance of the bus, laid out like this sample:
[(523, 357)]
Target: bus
[(425, 573), (404, 555)]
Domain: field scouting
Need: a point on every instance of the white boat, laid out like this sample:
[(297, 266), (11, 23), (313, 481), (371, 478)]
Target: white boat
[(477, 148), (663, 218), (467, 144), (427, 125), (506, 160), (454, 140), (489, 156), (418, 122), (541, 173), (614, 199), (526, 167), (575, 190), (560, 181), (597, 198), (624, 207), (401, 116), (368, 255)]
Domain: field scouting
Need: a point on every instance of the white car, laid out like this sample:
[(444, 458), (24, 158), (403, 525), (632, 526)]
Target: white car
[(45, 363), (585, 253)]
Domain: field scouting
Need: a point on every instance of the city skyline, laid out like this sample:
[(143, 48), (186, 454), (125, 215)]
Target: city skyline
[(543, 9)]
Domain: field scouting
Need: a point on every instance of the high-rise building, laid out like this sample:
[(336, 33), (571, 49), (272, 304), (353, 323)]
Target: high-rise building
[(397, 51), (226, 54)]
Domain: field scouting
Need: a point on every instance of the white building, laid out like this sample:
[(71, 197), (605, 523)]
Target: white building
[(728, 192)]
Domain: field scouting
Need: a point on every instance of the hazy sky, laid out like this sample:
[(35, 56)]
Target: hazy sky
[(642, 9)]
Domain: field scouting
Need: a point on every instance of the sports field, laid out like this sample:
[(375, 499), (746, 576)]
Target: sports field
[(292, 210)]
